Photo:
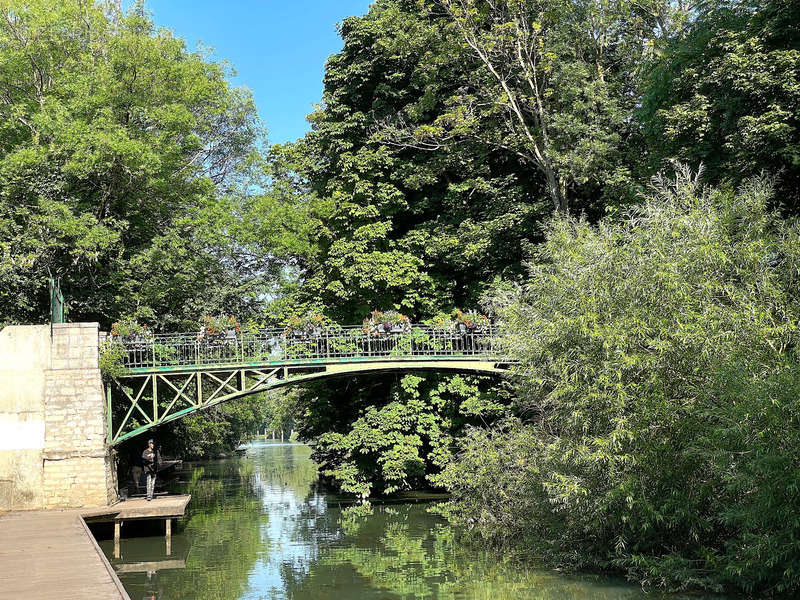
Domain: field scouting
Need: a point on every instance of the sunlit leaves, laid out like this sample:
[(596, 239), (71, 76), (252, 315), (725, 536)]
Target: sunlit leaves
[(657, 386)]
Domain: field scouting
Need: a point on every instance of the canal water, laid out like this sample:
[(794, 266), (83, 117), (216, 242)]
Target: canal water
[(259, 528)]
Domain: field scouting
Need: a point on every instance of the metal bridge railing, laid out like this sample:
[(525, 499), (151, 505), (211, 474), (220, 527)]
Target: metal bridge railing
[(276, 345)]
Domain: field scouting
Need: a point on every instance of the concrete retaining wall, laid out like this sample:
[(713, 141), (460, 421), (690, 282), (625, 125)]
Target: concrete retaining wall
[(52, 419)]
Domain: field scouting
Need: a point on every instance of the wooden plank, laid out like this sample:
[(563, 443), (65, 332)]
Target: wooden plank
[(155, 565), (45, 555), (162, 507)]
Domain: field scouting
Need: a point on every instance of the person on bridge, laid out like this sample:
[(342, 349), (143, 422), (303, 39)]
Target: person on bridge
[(150, 462)]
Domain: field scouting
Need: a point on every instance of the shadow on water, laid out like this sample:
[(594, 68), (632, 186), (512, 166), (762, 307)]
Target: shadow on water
[(258, 527)]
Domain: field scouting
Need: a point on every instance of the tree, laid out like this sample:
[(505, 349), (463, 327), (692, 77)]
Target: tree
[(552, 85), (657, 383), (395, 228), (724, 92), (397, 445), (122, 155)]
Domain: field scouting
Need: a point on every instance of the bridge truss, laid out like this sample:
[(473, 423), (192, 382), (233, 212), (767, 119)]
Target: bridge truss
[(168, 376)]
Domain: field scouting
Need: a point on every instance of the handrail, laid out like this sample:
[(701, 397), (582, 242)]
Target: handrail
[(277, 344)]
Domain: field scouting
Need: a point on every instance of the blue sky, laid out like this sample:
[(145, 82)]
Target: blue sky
[(278, 48)]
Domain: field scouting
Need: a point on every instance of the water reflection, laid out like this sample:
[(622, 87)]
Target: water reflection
[(258, 528)]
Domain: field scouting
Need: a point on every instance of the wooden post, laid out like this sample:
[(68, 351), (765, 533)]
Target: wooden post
[(117, 532), (169, 536)]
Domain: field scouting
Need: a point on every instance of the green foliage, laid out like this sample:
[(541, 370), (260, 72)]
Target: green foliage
[(725, 92), (658, 377), (400, 228), (122, 160), (551, 84), (398, 445), (111, 360)]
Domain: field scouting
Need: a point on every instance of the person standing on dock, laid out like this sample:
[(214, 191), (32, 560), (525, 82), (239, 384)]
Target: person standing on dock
[(150, 462)]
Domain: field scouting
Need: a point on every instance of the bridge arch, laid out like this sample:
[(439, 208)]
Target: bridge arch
[(168, 377)]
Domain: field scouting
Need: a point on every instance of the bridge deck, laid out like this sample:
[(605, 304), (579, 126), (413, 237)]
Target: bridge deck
[(46, 555)]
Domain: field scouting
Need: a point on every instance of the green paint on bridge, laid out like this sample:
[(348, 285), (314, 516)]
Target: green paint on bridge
[(169, 376)]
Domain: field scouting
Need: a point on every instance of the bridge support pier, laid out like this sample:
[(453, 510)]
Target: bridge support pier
[(52, 419)]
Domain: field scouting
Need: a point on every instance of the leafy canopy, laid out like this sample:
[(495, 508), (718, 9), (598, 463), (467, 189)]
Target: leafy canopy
[(122, 156)]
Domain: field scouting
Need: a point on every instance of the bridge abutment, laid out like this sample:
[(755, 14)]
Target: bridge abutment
[(53, 450)]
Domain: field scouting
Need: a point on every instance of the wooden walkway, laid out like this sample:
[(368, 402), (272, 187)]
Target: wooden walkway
[(52, 555)]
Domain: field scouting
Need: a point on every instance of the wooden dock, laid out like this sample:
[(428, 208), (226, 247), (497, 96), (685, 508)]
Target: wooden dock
[(52, 554), (46, 555), (163, 508)]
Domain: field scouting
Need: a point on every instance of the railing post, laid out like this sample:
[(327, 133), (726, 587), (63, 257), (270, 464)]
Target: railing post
[(155, 398)]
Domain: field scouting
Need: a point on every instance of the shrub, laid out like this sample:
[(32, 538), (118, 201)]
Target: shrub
[(658, 379), (112, 360)]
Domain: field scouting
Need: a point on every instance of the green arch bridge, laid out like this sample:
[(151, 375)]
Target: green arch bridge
[(168, 376)]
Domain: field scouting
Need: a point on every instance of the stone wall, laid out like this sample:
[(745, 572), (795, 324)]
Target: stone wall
[(78, 469), (58, 380)]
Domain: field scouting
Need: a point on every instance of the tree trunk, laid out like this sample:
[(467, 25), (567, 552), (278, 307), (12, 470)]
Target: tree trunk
[(556, 186)]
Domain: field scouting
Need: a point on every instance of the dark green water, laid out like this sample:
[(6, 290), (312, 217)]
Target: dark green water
[(257, 528)]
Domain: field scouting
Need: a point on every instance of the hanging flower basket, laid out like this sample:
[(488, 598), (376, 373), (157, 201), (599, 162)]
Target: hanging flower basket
[(312, 325), (130, 332), (218, 330), (469, 322), (379, 323)]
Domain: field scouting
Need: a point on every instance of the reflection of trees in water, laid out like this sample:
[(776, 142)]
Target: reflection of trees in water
[(224, 530), (403, 552), (294, 471), (257, 528)]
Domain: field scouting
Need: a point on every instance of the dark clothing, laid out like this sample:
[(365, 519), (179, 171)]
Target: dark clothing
[(150, 461)]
